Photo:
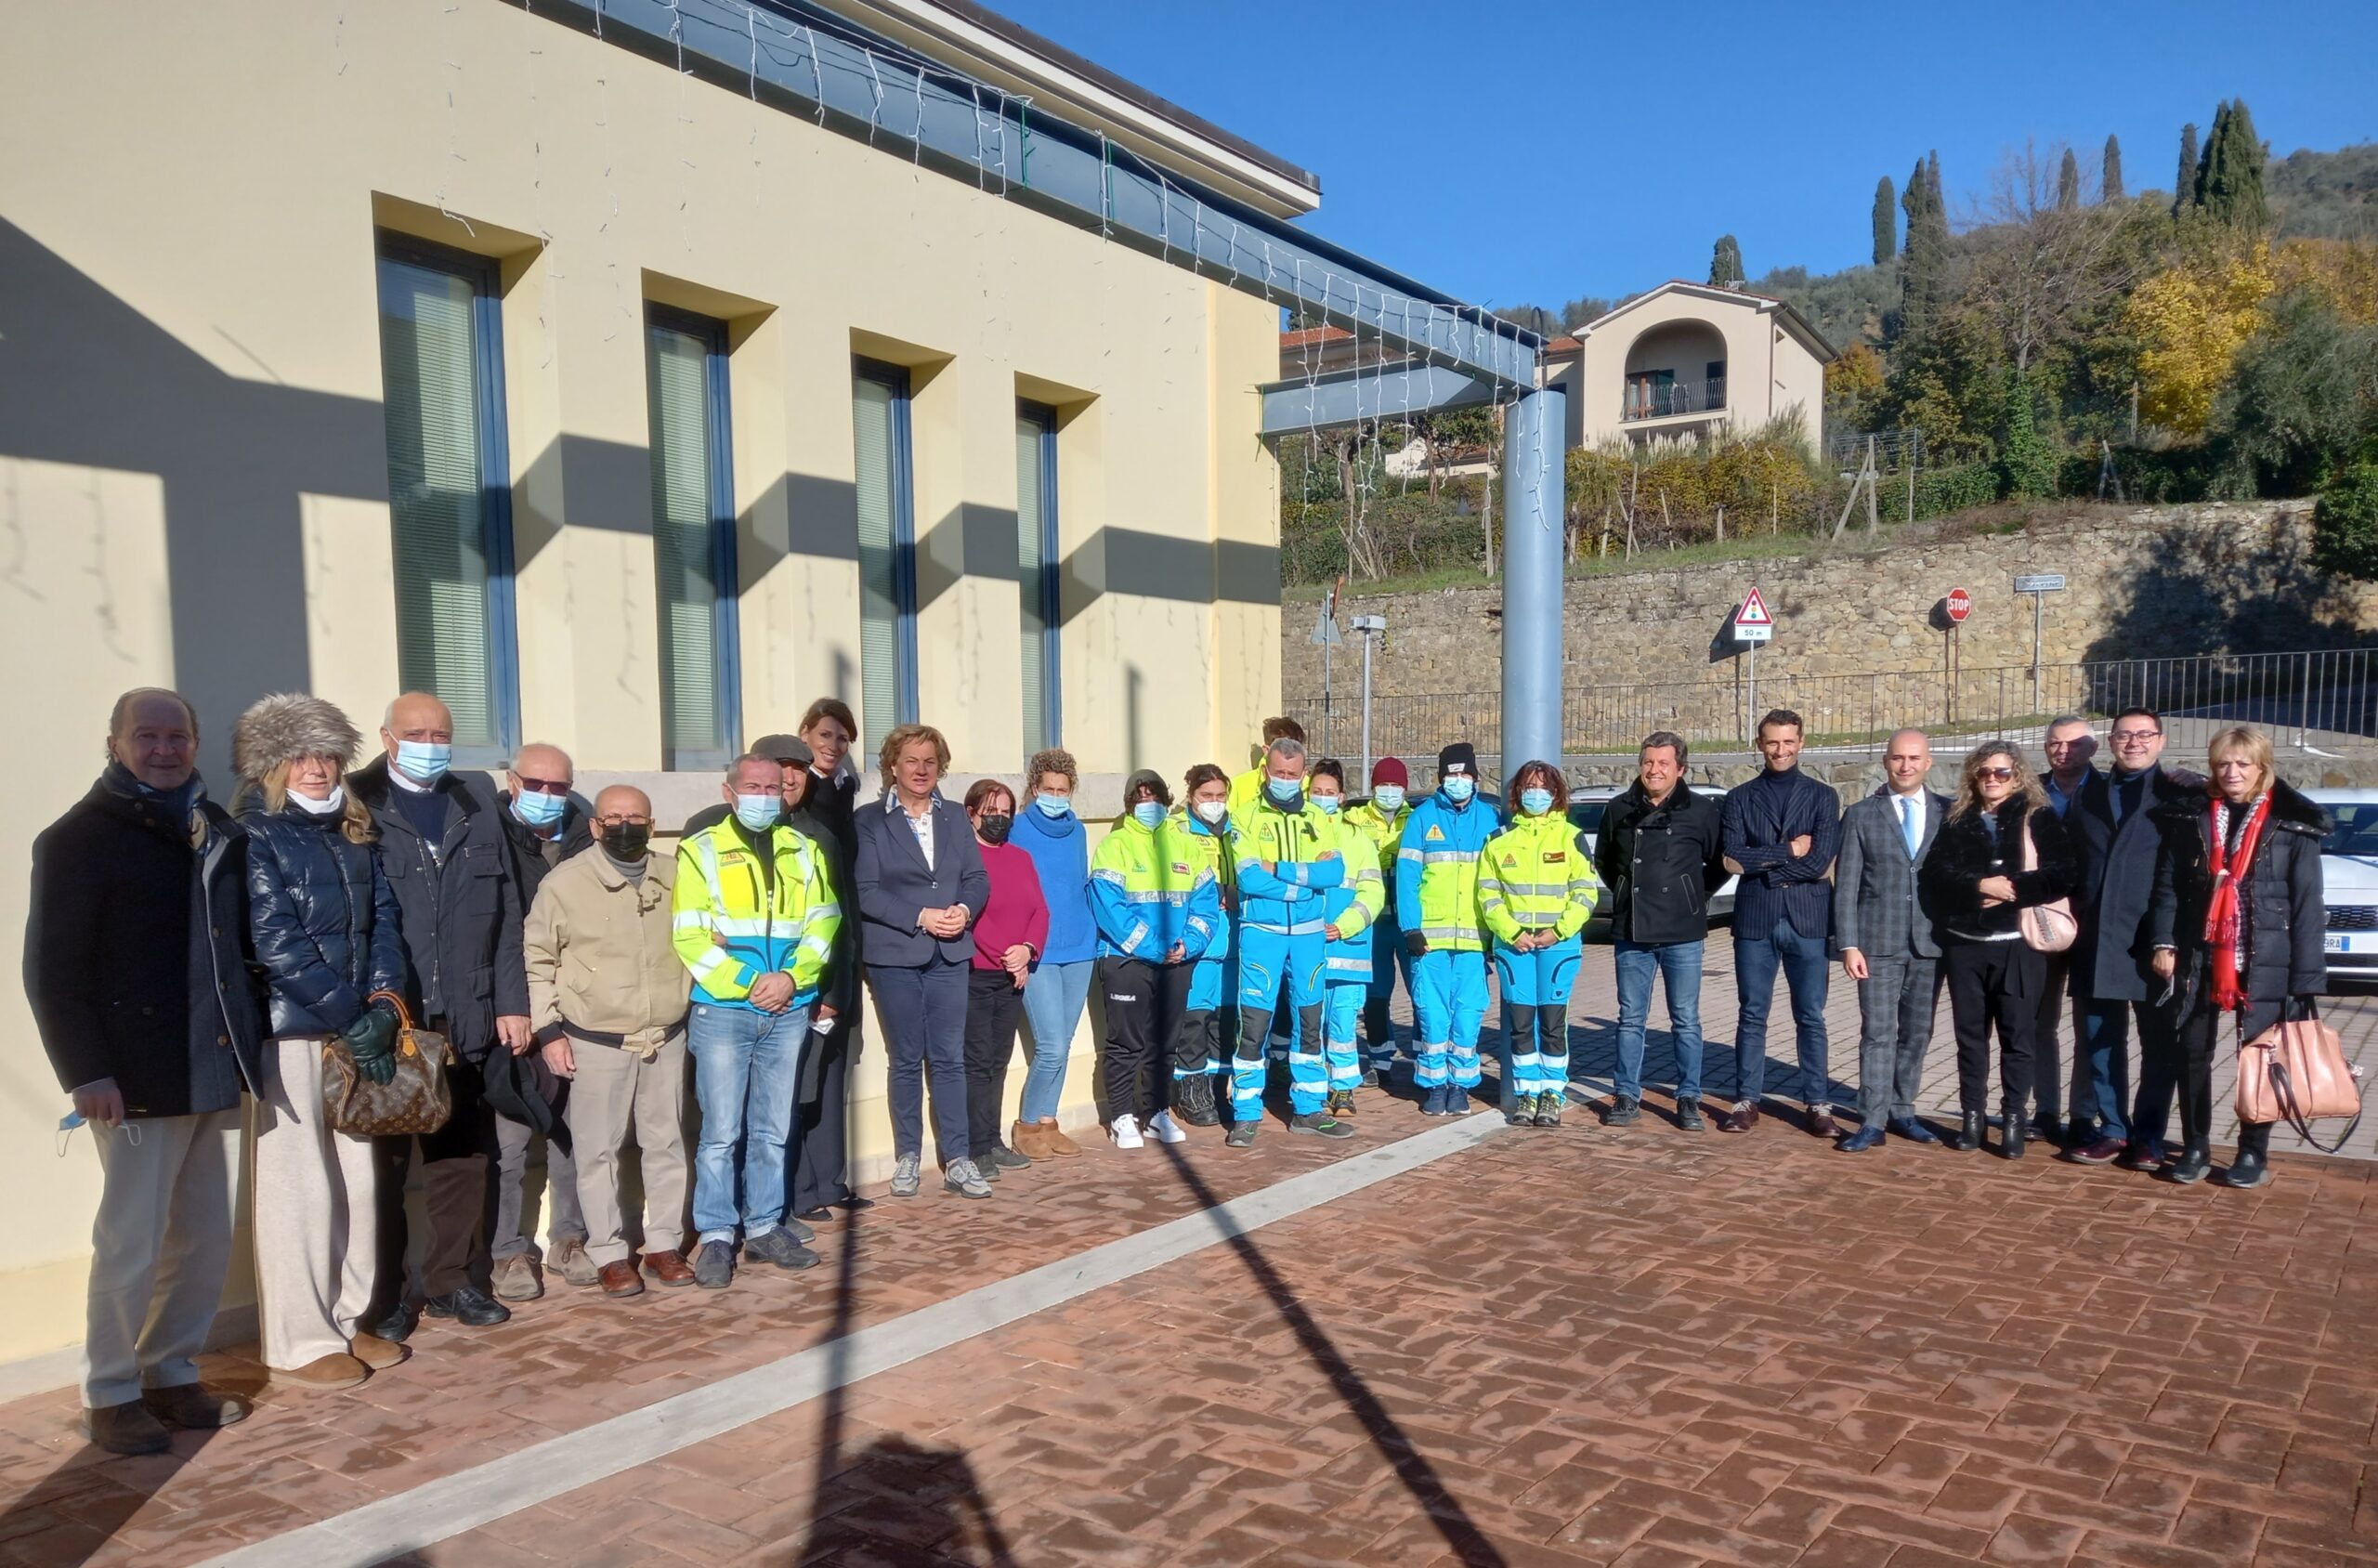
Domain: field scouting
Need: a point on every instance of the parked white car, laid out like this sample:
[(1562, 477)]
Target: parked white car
[(2349, 883), (1585, 808)]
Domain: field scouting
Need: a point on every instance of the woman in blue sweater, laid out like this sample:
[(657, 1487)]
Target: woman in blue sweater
[(1047, 829)]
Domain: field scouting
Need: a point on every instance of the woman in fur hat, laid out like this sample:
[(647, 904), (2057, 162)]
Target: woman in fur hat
[(324, 921)]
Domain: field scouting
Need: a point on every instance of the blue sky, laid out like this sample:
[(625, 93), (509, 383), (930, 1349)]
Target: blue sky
[(1532, 151)]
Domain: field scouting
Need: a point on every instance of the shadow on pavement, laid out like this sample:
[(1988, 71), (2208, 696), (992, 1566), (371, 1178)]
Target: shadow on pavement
[(78, 1508)]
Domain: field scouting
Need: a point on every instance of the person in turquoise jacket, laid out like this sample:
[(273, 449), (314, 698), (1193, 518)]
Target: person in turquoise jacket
[(1348, 910), (1436, 897), (1158, 911), (1203, 826), (1290, 858)]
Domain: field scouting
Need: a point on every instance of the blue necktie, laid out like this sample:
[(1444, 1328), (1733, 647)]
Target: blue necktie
[(1907, 823)]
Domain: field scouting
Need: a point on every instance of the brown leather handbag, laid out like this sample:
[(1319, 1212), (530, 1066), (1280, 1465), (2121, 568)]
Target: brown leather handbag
[(418, 1100), (2295, 1072)]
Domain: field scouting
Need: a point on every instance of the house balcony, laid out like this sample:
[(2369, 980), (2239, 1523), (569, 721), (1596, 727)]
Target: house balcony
[(1672, 399)]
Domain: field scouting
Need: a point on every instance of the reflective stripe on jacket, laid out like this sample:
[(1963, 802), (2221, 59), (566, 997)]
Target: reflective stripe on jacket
[(731, 924), (1535, 874), (1384, 833), (1353, 906), (1151, 888), (1287, 898), (1436, 872)]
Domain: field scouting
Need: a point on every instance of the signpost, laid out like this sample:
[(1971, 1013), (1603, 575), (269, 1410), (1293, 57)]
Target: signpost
[(1752, 625), (2039, 585), (1957, 604), (1370, 628), (1326, 633), (1960, 605)]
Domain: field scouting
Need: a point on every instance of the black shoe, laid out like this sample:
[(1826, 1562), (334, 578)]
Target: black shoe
[(1688, 1116), (1969, 1130), (1626, 1110), (1370, 1078), (778, 1247), (817, 1216), (1320, 1124), (397, 1326), (2048, 1129), (1522, 1111), (854, 1203), (1001, 1156), (2196, 1159), (1193, 1100), (2247, 1170), (1242, 1135), (2010, 1135), (470, 1306), (714, 1264)]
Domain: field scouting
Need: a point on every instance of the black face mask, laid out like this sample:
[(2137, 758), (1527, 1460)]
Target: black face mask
[(994, 827), (626, 841)]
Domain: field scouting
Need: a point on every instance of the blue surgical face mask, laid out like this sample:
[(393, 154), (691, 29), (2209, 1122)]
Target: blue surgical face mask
[(539, 809), (425, 762), (1388, 798), (1536, 802), (1328, 804), (1054, 805), (1149, 815), (1459, 787), (1284, 791), (759, 812)]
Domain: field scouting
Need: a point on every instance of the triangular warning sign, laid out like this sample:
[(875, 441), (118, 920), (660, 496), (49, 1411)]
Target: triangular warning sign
[(1753, 611)]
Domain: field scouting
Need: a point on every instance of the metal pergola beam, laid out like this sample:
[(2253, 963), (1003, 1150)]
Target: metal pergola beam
[(1352, 396), (806, 60)]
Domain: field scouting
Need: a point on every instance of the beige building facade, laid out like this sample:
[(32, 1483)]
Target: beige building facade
[(1688, 359), (349, 348)]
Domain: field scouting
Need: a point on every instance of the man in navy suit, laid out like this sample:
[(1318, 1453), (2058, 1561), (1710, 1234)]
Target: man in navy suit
[(1781, 830), (1885, 936)]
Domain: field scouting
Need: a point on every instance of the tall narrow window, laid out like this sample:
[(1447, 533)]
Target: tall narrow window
[(887, 549), (441, 370), (693, 534), (1037, 570)]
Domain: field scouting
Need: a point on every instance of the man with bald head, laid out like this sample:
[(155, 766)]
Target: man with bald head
[(449, 864), (1885, 939), (545, 823), (607, 997)]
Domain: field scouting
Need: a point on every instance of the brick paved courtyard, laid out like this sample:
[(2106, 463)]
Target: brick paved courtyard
[(1589, 1346)]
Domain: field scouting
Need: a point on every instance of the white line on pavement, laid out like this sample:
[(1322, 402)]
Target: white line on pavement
[(439, 1509)]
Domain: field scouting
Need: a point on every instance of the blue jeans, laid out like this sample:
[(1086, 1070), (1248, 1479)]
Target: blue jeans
[(746, 1066), (1054, 997), (1678, 966), (2104, 1048), (1806, 970)]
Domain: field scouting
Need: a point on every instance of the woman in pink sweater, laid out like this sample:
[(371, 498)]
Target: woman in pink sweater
[(1009, 936)]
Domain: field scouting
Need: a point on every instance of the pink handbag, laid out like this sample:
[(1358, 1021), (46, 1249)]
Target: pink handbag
[(2295, 1072), (2049, 927)]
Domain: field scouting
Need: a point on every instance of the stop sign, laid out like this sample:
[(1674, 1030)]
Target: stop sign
[(1960, 605)]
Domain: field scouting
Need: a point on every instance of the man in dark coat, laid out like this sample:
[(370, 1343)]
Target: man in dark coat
[(136, 970), (1659, 854), (2112, 961), (545, 823), (442, 839)]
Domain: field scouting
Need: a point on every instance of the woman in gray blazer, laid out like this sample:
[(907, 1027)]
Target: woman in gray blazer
[(920, 884)]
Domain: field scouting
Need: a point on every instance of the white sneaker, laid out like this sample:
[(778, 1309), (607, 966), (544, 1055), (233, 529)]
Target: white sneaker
[(1127, 1133), (1167, 1131)]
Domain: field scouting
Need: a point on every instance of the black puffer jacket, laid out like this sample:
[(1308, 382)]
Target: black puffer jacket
[(2283, 909), (1965, 852), (323, 916)]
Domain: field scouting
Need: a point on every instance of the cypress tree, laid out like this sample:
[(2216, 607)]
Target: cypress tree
[(2068, 183), (1886, 221), (2215, 155), (2184, 186), (2233, 184), (1726, 261), (2110, 179), (1922, 280)]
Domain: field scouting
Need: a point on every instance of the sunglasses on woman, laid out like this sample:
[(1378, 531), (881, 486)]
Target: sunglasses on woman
[(1995, 774)]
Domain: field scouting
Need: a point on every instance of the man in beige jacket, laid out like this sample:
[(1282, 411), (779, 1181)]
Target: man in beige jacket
[(607, 997)]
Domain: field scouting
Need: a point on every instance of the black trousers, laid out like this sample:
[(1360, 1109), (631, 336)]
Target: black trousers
[(2185, 1068), (1993, 984), (820, 1168), (2047, 1062), (993, 1007), (1143, 1006), (1198, 1041), (458, 1161)]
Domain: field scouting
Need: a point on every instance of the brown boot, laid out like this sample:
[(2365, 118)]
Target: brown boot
[(377, 1354), (323, 1374), (1058, 1143), (1030, 1141)]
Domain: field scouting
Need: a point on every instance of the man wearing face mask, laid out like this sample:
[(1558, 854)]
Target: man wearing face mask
[(1381, 822), (1436, 888), (442, 842), (1202, 828), (1158, 911), (545, 823), (1288, 859), (1349, 910), (607, 995)]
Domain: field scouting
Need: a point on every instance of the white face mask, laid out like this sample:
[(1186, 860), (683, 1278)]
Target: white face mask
[(1212, 812), (334, 801)]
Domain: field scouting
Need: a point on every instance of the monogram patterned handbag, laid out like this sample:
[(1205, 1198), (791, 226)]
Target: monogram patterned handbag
[(418, 1100)]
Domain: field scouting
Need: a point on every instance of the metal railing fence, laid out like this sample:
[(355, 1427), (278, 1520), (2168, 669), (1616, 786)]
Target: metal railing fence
[(2297, 697)]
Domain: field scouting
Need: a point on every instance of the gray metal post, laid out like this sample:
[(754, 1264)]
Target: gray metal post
[(1366, 709), (2039, 632), (1534, 507)]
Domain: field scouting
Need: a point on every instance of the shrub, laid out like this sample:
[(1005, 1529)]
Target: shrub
[(2345, 524)]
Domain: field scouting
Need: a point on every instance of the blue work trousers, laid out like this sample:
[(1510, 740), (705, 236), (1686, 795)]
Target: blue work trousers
[(1536, 1015), (1449, 1005), (1273, 969), (1341, 1016), (1389, 958)]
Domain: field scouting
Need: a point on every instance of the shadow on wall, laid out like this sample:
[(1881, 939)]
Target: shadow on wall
[(2243, 591)]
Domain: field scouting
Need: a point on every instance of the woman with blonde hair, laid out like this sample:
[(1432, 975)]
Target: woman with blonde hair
[(1976, 884), (324, 924), (2236, 920)]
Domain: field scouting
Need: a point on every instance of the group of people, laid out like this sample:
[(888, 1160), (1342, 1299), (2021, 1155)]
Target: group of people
[(180, 956)]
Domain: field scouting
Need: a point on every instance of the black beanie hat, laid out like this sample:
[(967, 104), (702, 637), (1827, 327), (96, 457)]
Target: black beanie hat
[(1460, 752)]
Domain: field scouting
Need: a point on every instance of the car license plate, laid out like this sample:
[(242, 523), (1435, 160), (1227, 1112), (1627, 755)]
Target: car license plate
[(2333, 942)]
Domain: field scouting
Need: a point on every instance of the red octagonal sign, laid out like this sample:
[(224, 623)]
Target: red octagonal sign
[(1960, 605)]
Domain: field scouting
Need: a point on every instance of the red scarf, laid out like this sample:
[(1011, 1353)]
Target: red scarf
[(2223, 924)]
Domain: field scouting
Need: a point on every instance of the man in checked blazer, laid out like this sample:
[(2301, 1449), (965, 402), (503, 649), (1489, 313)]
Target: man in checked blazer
[(1885, 939)]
